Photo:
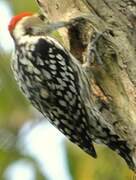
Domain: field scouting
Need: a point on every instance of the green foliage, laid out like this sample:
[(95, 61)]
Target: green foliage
[(25, 5), (108, 165), (11, 99)]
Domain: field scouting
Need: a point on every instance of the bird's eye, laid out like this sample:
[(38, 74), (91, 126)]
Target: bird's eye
[(42, 17), (29, 30), (39, 3)]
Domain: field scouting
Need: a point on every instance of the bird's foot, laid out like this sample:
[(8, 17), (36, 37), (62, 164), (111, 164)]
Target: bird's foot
[(93, 55)]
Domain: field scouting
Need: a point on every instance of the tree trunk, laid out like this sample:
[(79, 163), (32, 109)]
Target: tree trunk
[(113, 82)]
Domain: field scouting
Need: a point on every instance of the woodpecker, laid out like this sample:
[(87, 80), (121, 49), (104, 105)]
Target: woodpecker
[(57, 85)]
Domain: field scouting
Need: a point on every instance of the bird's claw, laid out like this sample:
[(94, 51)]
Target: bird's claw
[(92, 52)]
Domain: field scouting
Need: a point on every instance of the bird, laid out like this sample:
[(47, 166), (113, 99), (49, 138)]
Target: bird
[(56, 84)]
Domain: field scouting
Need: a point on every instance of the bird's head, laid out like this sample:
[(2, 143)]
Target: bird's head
[(27, 23)]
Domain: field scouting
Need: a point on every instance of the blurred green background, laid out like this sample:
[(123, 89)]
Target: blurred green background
[(15, 112)]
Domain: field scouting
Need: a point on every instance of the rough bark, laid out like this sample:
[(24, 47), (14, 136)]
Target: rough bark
[(114, 82)]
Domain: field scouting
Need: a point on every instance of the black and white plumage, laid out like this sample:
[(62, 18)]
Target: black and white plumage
[(56, 84)]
